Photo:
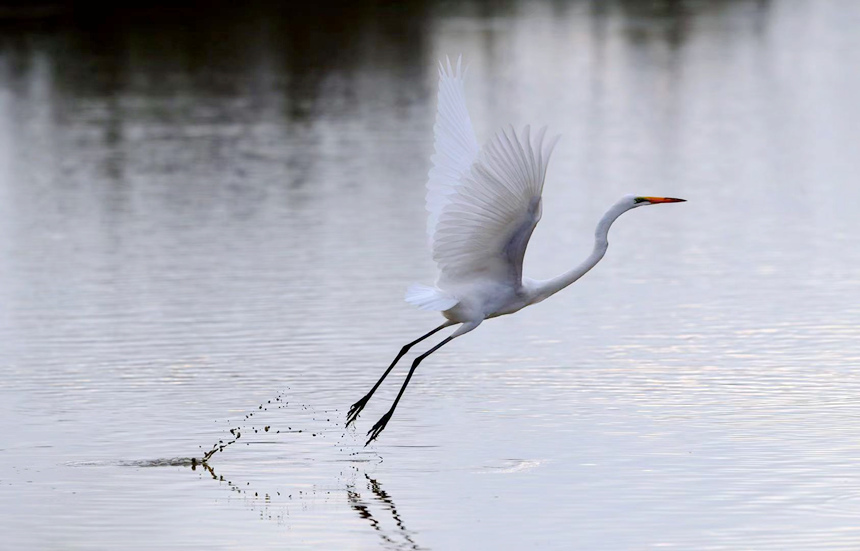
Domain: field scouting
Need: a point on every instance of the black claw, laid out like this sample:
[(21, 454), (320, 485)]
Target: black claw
[(355, 409), (378, 428)]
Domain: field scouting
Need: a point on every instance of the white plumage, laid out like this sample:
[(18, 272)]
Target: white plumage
[(483, 206), (455, 143)]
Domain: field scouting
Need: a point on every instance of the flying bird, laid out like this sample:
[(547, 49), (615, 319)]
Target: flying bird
[(483, 205)]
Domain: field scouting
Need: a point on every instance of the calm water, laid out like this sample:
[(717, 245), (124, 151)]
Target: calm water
[(203, 213)]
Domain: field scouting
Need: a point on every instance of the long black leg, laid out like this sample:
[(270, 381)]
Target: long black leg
[(356, 408), (380, 425)]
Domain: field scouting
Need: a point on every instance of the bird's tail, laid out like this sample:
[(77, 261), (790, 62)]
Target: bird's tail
[(429, 298)]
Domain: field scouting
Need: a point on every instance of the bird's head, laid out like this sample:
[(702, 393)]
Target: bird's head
[(639, 200)]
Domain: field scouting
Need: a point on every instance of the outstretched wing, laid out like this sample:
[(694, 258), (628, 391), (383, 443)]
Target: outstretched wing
[(456, 146), (492, 209)]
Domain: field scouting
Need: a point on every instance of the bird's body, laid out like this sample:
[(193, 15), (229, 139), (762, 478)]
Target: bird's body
[(483, 205), (487, 299)]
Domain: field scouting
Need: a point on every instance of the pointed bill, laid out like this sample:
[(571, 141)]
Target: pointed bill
[(656, 200)]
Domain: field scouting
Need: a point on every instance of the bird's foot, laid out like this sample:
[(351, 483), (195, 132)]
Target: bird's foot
[(378, 427), (355, 409)]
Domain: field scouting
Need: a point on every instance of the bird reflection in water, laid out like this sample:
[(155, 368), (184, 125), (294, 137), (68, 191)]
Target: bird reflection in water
[(275, 505), (400, 539)]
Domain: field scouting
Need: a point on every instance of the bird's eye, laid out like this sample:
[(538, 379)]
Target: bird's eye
[(640, 200)]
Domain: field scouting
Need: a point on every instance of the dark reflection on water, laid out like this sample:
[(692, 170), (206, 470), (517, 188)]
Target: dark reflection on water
[(401, 538), (199, 206)]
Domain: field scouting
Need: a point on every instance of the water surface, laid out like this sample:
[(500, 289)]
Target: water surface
[(209, 215)]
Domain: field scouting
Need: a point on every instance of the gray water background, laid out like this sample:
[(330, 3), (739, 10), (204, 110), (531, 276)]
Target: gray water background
[(204, 211)]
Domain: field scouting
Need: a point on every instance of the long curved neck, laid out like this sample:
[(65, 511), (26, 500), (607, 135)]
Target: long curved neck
[(550, 287)]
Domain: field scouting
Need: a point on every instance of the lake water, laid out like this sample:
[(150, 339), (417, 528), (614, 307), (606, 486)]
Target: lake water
[(208, 220)]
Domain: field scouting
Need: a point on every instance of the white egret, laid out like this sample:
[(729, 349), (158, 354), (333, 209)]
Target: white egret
[(483, 206)]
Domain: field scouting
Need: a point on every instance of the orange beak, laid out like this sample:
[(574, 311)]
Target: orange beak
[(656, 200)]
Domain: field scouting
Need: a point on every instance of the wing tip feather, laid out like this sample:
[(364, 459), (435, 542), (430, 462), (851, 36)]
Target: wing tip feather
[(453, 71)]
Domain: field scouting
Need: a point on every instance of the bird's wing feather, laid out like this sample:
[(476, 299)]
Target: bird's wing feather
[(485, 224), (456, 146)]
